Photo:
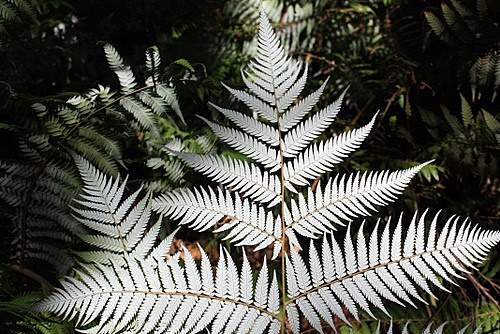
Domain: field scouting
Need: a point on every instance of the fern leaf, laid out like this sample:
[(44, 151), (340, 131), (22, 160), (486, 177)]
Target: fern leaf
[(141, 113), (113, 295), (341, 200), (251, 126), (491, 122), (122, 71), (248, 224), (467, 116), (454, 123), (153, 65), (247, 145), (422, 259), (258, 106), (108, 144), (296, 113), (170, 97), (120, 224), (320, 158), (295, 140), (239, 175)]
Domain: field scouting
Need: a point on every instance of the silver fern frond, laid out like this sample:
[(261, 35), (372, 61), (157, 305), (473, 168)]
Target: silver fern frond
[(342, 200), (122, 71), (155, 294), (390, 267), (265, 202), (247, 178), (118, 225)]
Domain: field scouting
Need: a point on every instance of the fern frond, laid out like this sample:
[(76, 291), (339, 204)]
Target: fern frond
[(248, 223), (247, 145), (361, 276), (298, 138), (154, 294), (252, 126), (467, 116), (170, 97), (342, 200), (153, 65), (297, 112), (38, 193), (122, 71), (108, 144), (94, 152), (142, 113), (320, 158), (119, 223), (239, 175)]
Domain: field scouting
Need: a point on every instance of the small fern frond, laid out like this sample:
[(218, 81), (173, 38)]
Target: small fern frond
[(153, 65), (251, 126), (122, 71), (298, 138), (362, 275), (157, 294), (467, 116), (247, 145), (119, 223), (170, 97), (248, 223), (297, 112), (141, 112)]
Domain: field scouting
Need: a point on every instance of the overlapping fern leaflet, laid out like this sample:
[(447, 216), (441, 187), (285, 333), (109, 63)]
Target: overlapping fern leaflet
[(39, 189)]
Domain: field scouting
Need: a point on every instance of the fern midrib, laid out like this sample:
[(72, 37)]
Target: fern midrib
[(283, 204), (380, 265)]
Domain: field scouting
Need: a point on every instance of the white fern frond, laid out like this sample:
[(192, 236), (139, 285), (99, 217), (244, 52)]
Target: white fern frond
[(248, 223), (118, 297), (342, 200), (124, 73), (297, 112), (239, 175), (251, 125), (291, 88), (320, 158), (271, 63), (299, 137), (262, 108), (153, 65), (120, 223), (247, 145), (363, 275)]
